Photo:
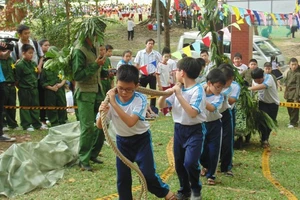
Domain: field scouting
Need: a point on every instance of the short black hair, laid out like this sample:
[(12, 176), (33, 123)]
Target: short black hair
[(204, 51), (26, 47), (128, 74), (108, 46), (201, 63), (253, 60), (267, 64), (42, 41), (293, 60), (166, 50), (227, 69), (21, 28), (190, 66), (257, 73), (238, 55), (216, 76), (150, 39), (126, 51)]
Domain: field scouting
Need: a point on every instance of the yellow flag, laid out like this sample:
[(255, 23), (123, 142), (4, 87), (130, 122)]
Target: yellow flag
[(274, 18), (188, 2), (241, 21), (236, 12), (187, 51)]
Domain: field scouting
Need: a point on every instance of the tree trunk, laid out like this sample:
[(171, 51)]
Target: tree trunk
[(166, 24), (67, 4)]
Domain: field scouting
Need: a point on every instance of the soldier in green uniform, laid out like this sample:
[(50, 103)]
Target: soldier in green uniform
[(86, 67), (8, 69), (292, 91), (26, 78), (55, 95)]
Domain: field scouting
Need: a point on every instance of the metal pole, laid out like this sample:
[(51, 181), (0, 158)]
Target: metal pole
[(158, 24)]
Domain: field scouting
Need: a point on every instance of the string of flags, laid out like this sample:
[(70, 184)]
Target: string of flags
[(144, 69)]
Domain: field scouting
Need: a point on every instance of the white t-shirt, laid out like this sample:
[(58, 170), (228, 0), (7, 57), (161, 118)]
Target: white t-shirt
[(235, 92), (195, 95), (216, 101), (269, 94), (241, 68), (137, 105), (164, 70), (173, 66), (130, 25)]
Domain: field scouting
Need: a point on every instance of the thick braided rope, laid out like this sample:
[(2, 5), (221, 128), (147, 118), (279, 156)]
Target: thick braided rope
[(116, 150)]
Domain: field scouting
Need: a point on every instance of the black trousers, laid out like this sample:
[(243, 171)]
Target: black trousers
[(42, 102), (130, 35), (271, 109), (1, 107), (151, 80)]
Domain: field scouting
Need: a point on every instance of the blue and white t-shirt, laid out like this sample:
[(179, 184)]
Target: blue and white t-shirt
[(235, 92), (216, 101), (122, 62), (137, 105), (270, 93), (195, 95)]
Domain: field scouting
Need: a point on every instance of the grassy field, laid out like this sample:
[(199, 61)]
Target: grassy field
[(248, 183)]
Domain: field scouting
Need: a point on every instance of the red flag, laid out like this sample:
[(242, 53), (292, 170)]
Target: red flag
[(206, 41), (144, 70), (176, 4), (251, 15), (282, 17)]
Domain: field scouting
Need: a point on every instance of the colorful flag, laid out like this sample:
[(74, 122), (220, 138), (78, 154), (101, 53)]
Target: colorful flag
[(206, 41), (144, 70), (187, 51)]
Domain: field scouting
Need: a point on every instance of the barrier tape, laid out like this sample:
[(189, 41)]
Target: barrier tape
[(289, 104), (165, 175), (40, 107), (267, 175)]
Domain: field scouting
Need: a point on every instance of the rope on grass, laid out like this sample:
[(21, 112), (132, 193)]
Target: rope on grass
[(116, 150), (267, 174)]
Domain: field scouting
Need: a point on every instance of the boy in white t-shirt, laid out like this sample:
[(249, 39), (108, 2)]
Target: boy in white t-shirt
[(188, 112), (216, 80), (268, 100), (237, 63), (127, 110), (163, 77)]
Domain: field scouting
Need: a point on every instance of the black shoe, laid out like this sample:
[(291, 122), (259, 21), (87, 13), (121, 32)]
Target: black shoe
[(85, 167), (97, 161), (181, 196), (4, 138)]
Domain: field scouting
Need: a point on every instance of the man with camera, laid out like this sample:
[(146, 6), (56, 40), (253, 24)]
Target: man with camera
[(4, 53)]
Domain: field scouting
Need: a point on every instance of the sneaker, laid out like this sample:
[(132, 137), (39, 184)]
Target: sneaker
[(290, 126), (5, 128), (43, 128), (5, 138), (168, 115), (265, 144), (30, 129), (181, 196), (18, 128), (196, 197)]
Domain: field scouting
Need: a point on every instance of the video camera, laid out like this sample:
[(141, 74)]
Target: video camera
[(9, 43)]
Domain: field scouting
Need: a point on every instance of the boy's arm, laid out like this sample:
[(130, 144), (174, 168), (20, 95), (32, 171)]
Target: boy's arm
[(158, 81), (162, 103), (129, 120), (258, 87), (185, 105), (210, 107)]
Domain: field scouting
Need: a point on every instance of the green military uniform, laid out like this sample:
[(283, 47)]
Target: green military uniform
[(86, 73), (292, 94), (106, 80), (9, 115), (26, 77), (52, 98), (247, 76)]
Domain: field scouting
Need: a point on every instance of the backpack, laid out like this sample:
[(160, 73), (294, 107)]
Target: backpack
[(36, 46)]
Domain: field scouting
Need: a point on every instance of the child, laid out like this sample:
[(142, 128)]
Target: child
[(292, 91), (26, 78), (268, 100), (268, 70), (163, 76), (247, 73), (127, 110), (276, 71), (208, 64), (230, 93), (237, 63), (126, 59), (188, 112), (216, 80), (55, 95)]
